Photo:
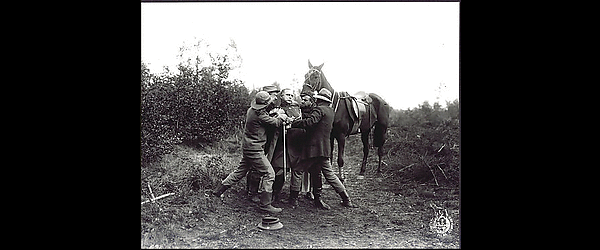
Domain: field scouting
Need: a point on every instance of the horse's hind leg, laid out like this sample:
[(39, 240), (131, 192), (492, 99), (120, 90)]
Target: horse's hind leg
[(341, 139), (365, 140), (380, 154)]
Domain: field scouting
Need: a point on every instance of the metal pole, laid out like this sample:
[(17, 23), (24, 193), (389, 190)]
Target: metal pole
[(284, 160)]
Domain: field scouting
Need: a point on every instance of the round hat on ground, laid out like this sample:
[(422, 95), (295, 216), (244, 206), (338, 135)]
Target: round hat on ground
[(270, 223)]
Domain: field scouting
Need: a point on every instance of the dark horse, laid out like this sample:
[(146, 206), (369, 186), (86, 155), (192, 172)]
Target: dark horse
[(377, 115)]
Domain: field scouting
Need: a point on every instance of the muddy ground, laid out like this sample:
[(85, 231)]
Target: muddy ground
[(391, 214)]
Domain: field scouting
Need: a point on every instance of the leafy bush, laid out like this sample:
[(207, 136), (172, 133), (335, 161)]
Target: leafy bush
[(186, 171), (196, 105), (424, 142)]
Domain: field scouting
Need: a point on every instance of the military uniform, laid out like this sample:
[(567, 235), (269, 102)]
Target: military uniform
[(253, 148), (274, 152), (291, 110)]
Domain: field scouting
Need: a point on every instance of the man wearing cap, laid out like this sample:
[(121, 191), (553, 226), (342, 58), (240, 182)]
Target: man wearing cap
[(253, 148), (253, 177), (317, 151), (273, 90)]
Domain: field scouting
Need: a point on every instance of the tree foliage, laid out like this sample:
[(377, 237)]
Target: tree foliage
[(198, 104), (426, 115)]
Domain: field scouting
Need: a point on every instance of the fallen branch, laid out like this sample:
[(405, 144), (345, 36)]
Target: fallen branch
[(436, 182), (438, 166), (430, 169), (159, 197), (406, 167), (151, 194), (152, 199)]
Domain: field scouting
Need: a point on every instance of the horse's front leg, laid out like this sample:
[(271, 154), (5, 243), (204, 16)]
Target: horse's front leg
[(365, 140)]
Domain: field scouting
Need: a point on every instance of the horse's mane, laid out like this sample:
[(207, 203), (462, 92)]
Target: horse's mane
[(325, 83)]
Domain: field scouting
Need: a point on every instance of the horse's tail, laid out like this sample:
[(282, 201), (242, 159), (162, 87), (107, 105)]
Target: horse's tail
[(383, 118)]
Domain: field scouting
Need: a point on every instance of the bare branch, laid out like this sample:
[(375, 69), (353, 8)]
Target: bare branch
[(159, 197), (438, 166), (430, 169), (151, 194), (406, 167)]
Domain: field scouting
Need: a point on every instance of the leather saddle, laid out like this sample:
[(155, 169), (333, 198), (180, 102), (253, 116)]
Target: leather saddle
[(358, 105)]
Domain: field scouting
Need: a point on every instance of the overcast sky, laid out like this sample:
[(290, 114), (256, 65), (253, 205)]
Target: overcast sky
[(405, 52)]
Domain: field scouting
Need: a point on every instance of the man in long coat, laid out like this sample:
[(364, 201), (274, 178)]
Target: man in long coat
[(317, 148), (317, 151)]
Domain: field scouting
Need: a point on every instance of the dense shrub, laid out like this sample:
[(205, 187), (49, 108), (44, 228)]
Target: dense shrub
[(196, 105), (186, 170), (424, 142)]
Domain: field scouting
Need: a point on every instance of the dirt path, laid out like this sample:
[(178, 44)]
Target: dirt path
[(390, 215)]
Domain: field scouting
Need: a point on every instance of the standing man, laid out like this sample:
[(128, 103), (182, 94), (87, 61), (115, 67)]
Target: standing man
[(255, 138), (291, 107), (318, 124), (253, 177), (317, 150), (306, 106), (292, 110)]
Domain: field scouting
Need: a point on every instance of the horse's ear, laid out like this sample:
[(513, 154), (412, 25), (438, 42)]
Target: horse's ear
[(309, 64), (320, 66)]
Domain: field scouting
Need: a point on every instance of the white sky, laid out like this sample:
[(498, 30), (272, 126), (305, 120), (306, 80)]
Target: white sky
[(399, 50)]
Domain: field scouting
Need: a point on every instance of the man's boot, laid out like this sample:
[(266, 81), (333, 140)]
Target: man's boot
[(265, 203), (220, 190), (293, 199), (252, 183), (309, 196), (346, 200), (318, 202)]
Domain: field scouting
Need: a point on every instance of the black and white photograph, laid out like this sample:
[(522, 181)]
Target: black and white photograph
[(300, 125)]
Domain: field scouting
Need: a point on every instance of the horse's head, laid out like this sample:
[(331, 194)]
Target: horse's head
[(313, 76), (314, 80)]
